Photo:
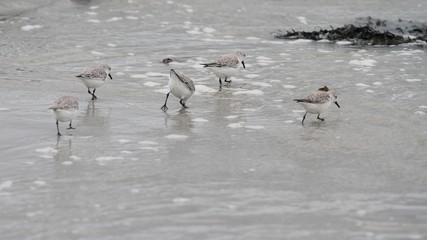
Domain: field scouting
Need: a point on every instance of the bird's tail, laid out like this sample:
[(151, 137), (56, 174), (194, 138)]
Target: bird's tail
[(208, 64)]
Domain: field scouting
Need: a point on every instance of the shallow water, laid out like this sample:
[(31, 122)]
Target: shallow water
[(237, 164)]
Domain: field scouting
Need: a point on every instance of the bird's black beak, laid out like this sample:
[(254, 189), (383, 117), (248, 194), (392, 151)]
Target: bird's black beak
[(336, 103), (110, 76), (243, 63)]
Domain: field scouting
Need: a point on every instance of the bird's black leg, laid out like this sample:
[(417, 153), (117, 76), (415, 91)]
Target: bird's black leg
[(93, 94), (318, 117), (227, 81), (70, 126), (220, 84), (182, 103), (164, 108), (57, 128), (303, 118)]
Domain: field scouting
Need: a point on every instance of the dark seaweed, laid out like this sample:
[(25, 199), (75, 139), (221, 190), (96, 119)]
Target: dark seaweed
[(371, 33)]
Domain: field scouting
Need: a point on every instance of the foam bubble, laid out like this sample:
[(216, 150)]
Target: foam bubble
[(362, 85), (154, 149), (262, 58), (298, 111), (151, 84), (107, 158), (98, 53), (124, 141), (231, 117), (413, 80), (162, 91), (67, 163), (251, 75), (5, 185), (300, 41), (288, 86), (148, 143), (180, 200), (30, 27), (255, 127), (132, 18), (261, 84), (377, 83), (111, 45), (138, 76), (93, 21), (194, 32), (91, 13), (344, 43), (176, 136), (302, 20), (361, 213), (363, 63), (134, 190), (39, 183), (255, 92), (114, 19), (75, 158), (204, 89), (208, 30), (252, 38), (202, 120), (235, 125), (155, 74)]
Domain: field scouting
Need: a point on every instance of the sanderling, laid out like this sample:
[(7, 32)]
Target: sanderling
[(181, 87), (226, 66), (94, 77), (65, 109), (317, 102)]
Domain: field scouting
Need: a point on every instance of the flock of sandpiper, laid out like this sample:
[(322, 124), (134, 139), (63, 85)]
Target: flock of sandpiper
[(182, 87)]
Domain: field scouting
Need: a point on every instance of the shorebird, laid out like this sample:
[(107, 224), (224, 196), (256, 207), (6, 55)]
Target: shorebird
[(226, 66), (65, 109), (94, 77), (317, 102), (181, 87)]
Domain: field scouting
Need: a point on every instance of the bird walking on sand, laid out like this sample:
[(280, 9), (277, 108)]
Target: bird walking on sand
[(181, 87), (65, 109), (226, 66), (94, 77), (317, 102)]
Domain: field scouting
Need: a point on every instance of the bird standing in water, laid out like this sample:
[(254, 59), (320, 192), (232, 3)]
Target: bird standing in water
[(65, 109), (181, 87), (226, 66), (94, 77), (317, 102)]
